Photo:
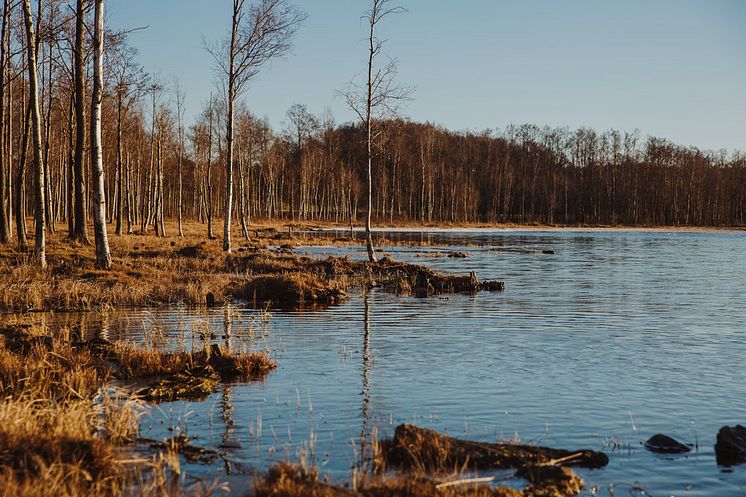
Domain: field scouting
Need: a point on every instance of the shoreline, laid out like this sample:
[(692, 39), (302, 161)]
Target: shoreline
[(534, 229), (405, 226)]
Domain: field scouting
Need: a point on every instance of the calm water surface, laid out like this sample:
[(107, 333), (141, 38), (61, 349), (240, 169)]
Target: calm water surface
[(611, 339)]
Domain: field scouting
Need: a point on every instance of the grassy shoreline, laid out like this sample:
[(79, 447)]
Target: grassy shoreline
[(65, 430), (194, 270)]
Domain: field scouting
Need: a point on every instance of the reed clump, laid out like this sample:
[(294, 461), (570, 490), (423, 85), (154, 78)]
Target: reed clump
[(65, 430), (287, 480), (133, 362), (60, 433)]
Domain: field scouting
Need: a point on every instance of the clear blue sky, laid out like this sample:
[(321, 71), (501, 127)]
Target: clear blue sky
[(671, 68)]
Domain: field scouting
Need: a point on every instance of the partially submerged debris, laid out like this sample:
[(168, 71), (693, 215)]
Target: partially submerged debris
[(551, 481), (457, 255), (184, 385), (663, 444), (183, 446), (286, 480), (404, 277), (730, 448), (428, 450)]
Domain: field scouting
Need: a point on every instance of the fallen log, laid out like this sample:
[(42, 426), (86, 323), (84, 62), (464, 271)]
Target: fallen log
[(428, 450)]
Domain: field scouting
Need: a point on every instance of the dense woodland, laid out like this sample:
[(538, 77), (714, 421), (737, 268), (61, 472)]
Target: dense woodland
[(157, 167)]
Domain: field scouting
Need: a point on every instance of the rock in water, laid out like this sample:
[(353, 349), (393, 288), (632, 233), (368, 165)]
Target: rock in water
[(730, 447), (663, 444), (210, 299)]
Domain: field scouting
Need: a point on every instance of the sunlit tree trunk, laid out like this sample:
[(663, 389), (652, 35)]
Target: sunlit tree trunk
[(48, 208), (210, 233), (103, 256), (229, 132), (39, 211), (120, 192), (80, 232), (160, 199), (4, 227), (20, 197)]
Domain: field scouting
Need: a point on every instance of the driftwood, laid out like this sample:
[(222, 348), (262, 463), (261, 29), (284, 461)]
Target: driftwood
[(414, 447)]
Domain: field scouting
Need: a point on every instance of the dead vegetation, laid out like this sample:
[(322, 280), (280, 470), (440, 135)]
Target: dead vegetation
[(64, 430), (427, 450), (183, 374), (287, 480), (426, 462), (54, 440), (151, 271)]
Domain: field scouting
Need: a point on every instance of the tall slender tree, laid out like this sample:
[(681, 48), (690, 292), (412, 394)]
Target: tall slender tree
[(103, 255), (4, 227), (379, 97), (180, 97), (260, 33), (39, 214), (80, 233)]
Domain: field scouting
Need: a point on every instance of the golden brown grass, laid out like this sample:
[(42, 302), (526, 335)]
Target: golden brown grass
[(286, 480), (136, 362), (187, 374), (151, 271), (54, 439), (428, 463), (64, 429)]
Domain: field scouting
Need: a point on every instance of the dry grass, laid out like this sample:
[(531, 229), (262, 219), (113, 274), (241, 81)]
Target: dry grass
[(54, 439), (184, 374), (291, 289), (286, 480), (151, 271), (428, 463), (64, 430)]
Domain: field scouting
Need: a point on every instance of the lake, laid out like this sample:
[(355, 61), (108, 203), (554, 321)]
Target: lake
[(613, 337)]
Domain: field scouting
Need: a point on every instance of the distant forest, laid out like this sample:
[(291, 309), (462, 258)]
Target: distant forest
[(154, 166), (314, 170), (525, 174)]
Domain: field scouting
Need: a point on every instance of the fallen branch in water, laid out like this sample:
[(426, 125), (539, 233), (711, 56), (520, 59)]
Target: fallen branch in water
[(467, 481)]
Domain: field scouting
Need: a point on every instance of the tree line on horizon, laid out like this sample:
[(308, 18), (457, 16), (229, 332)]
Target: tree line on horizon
[(145, 165)]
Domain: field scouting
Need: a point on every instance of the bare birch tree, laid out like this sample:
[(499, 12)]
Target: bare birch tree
[(103, 256), (380, 97), (259, 33), (39, 215), (128, 81), (4, 227), (211, 115), (80, 233), (180, 97)]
